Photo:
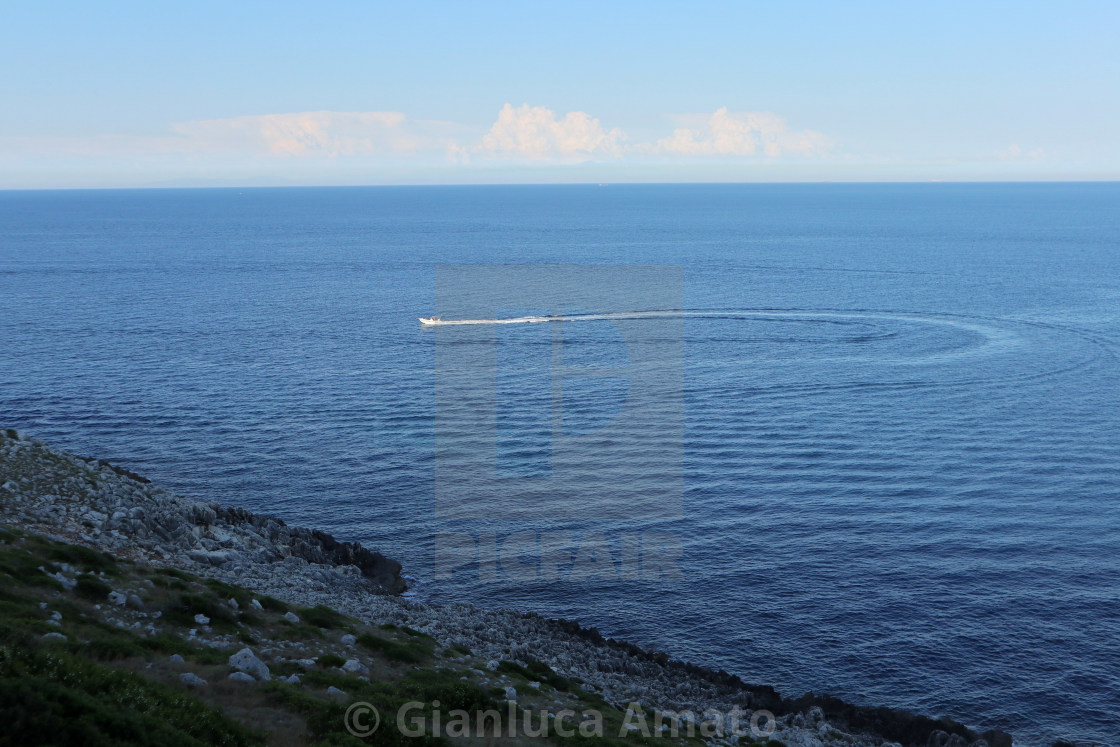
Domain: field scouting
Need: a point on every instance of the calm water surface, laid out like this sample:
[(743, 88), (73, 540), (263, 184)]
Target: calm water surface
[(899, 420)]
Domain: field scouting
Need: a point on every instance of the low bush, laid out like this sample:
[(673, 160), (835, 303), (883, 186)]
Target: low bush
[(52, 698), (412, 652), (91, 587)]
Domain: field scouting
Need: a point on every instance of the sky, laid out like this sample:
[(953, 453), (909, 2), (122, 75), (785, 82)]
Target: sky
[(130, 94)]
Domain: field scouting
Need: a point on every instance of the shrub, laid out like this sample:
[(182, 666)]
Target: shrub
[(91, 587), (108, 649), (331, 660), (414, 651), (59, 699), (175, 573), (226, 591), (83, 557), (183, 610), (323, 617), (536, 671), (272, 604)]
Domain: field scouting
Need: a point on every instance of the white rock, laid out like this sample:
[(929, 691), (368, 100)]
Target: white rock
[(535, 685), (54, 637), (335, 694), (246, 661), (511, 693), (233, 603), (256, 605), (190, 679), (492, 665), (176, 659), (241, 677), (353, 666), (291, 617), (117, 598), (348, 640), (201, 619), (292, 679), (67, 583), (56, 615)]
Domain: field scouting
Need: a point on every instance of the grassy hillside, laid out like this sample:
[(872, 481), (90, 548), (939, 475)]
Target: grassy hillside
[(95, 650)]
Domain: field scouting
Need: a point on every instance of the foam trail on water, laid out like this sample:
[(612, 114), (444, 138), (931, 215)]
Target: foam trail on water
[(564, 318)]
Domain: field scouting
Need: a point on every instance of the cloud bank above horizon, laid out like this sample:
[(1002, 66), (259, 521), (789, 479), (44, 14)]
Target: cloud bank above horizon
[(529, 134), (363, 145)]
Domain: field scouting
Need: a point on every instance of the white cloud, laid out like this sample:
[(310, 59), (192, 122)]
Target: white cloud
[(322, 133), (741, 134), (342, 147), (1014, 153), (536, 133)]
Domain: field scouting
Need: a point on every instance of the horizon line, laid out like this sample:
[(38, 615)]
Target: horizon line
[(106, 188)]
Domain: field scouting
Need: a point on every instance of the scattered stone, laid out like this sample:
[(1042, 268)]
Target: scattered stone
[(201, 619), (335, 694), (291, 617), (54, 637), (348, 640), (246, 661), (233, 603), (117, 598), (353, 666), (176, 659), (135, 602), (190, 679), (292, 679), (535, 685), (511, 693), (304, 567)]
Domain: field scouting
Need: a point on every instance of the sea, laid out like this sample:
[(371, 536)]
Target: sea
[(855, 439)]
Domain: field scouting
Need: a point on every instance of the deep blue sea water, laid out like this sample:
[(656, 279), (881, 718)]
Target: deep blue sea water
[(891, 453)]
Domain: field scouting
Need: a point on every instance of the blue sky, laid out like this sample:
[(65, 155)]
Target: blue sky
[(151, 94)]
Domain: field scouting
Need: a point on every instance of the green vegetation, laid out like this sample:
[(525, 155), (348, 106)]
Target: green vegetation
[(410, 651), (91, 587), (186, 606), (537, 671), (109, 674), (84, 558), (323, 617), (57, 698), (331, 660), (273, 604)]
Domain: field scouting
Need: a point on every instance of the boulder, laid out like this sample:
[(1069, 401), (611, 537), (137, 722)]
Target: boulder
[(190, 679), (246, 661)]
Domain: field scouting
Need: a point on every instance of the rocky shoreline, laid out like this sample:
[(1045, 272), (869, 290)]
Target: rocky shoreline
[(91, 502)]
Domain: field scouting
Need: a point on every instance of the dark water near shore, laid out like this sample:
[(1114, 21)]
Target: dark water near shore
[(897, 440)]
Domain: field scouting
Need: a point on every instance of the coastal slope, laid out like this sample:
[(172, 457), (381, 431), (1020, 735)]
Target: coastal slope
[(87, 502)]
